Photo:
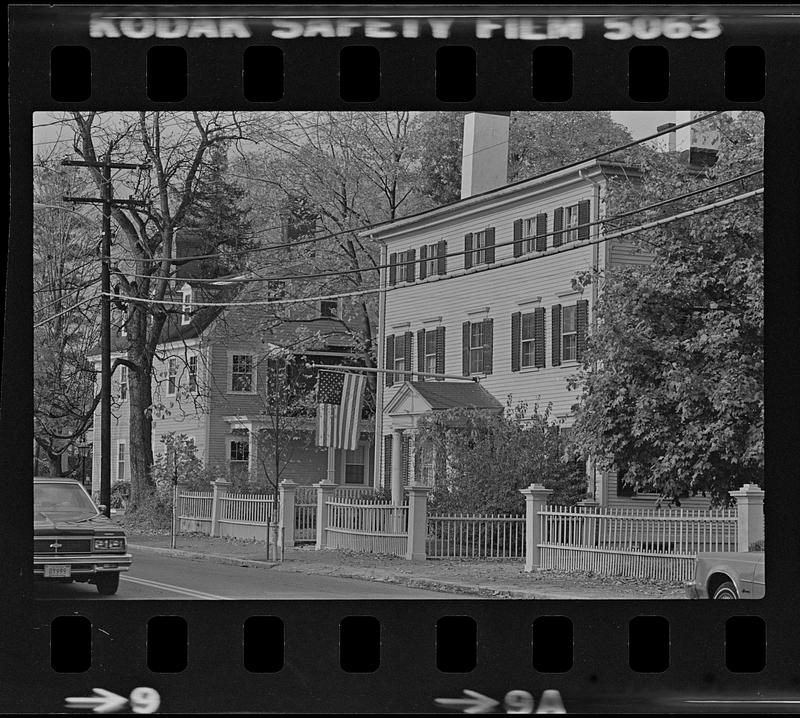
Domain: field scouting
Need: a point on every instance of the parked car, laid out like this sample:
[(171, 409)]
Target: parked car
[(728, 575), (73, 540)]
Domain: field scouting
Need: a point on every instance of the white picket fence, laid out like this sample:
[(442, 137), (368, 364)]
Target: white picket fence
[(476, 536), (644, 543), (195, 505), (251, 509), (366, 526)]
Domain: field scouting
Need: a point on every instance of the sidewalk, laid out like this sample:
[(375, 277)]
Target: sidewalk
[(487, 579)]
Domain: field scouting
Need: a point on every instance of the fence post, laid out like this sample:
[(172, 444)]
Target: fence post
[(749, 515), (535, 498), (417, 521), (220, 486), (325, 491), (286, 496)]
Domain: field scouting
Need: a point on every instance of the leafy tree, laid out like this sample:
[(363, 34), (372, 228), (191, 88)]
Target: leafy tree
[(65, 278), (672, 380), (178, 149), (490, 457)]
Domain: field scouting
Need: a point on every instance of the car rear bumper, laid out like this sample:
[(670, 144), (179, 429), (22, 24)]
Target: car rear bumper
[(83, 564)]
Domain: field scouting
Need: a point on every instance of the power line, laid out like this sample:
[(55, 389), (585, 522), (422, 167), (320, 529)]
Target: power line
[(66, 311), (571, 246), (427, 211), (342, 272)]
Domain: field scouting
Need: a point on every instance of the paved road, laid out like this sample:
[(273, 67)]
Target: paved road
[(155, 575)]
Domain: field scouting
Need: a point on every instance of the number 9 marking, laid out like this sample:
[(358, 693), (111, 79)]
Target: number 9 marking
[(144, 700), (518, 702)]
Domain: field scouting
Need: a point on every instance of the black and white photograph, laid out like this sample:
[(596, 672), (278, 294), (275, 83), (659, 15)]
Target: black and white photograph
[(398, 355)]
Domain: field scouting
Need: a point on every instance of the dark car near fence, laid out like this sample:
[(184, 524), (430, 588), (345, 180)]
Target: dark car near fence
[(73, 540), (728, 575)]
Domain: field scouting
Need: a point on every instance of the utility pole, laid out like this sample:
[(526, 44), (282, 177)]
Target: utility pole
[(107, 201)]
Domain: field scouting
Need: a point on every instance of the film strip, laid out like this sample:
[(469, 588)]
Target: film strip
[(399, 653)]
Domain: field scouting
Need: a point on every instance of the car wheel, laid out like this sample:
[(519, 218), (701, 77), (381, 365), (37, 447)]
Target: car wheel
[(107, 583), (726, 590)]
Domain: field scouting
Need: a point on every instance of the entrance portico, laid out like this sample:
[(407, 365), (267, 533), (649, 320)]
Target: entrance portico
[(411, 402)]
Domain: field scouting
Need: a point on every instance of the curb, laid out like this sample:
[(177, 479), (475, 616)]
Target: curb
[(410, 581)]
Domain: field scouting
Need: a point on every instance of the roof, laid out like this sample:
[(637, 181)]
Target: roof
[(451, 394), (507, 191)]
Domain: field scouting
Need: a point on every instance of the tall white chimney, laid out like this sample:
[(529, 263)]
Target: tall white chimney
[(697, 143), (484, 158)]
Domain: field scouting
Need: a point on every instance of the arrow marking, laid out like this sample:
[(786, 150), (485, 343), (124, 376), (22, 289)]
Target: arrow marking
[(475, 703), (103, 702)]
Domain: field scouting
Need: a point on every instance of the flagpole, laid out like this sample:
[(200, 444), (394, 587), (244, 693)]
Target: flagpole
[(349, 369)]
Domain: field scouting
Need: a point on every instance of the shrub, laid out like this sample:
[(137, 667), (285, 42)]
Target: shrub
[(120, 494)]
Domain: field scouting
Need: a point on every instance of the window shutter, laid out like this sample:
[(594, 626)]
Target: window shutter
[(518, 238), (556, 335), (488, 345), (541, 232), (388, 359), (387, 461), (441, 252), (393, 268), (558, 225), (582, 326), (468, 250), (421, 352), (583, 219), (516, 319), (423, 255), (465, 348), (490, 245), (439, 350), (538, 335), (407, 356), (411, 264)]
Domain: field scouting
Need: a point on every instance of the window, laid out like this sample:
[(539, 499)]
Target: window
[(239, 452), (570, 329), (528, 340), (186, 305), (123, 382), (242, 373), (430, 352), (399, 358), (476, 348), (172, 375), (354, 465), (570, 223), (121, 458), (405, 267), (329, 308), (192, 366), (476, 344), (433, 259), (479, 243), (529, 234), (569, 334)]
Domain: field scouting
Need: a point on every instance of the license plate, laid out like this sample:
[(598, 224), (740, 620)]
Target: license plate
[(57, 571)]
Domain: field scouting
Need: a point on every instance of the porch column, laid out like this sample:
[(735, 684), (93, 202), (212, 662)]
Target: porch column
[(331, 473), (397, 467)]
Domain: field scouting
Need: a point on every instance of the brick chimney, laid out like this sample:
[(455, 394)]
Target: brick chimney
[(696, 144), (484, 159)]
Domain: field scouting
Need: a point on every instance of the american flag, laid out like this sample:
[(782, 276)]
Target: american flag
[(339, 397)]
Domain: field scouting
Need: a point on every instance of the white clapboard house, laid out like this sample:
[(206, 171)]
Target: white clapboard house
[(518, 328)]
